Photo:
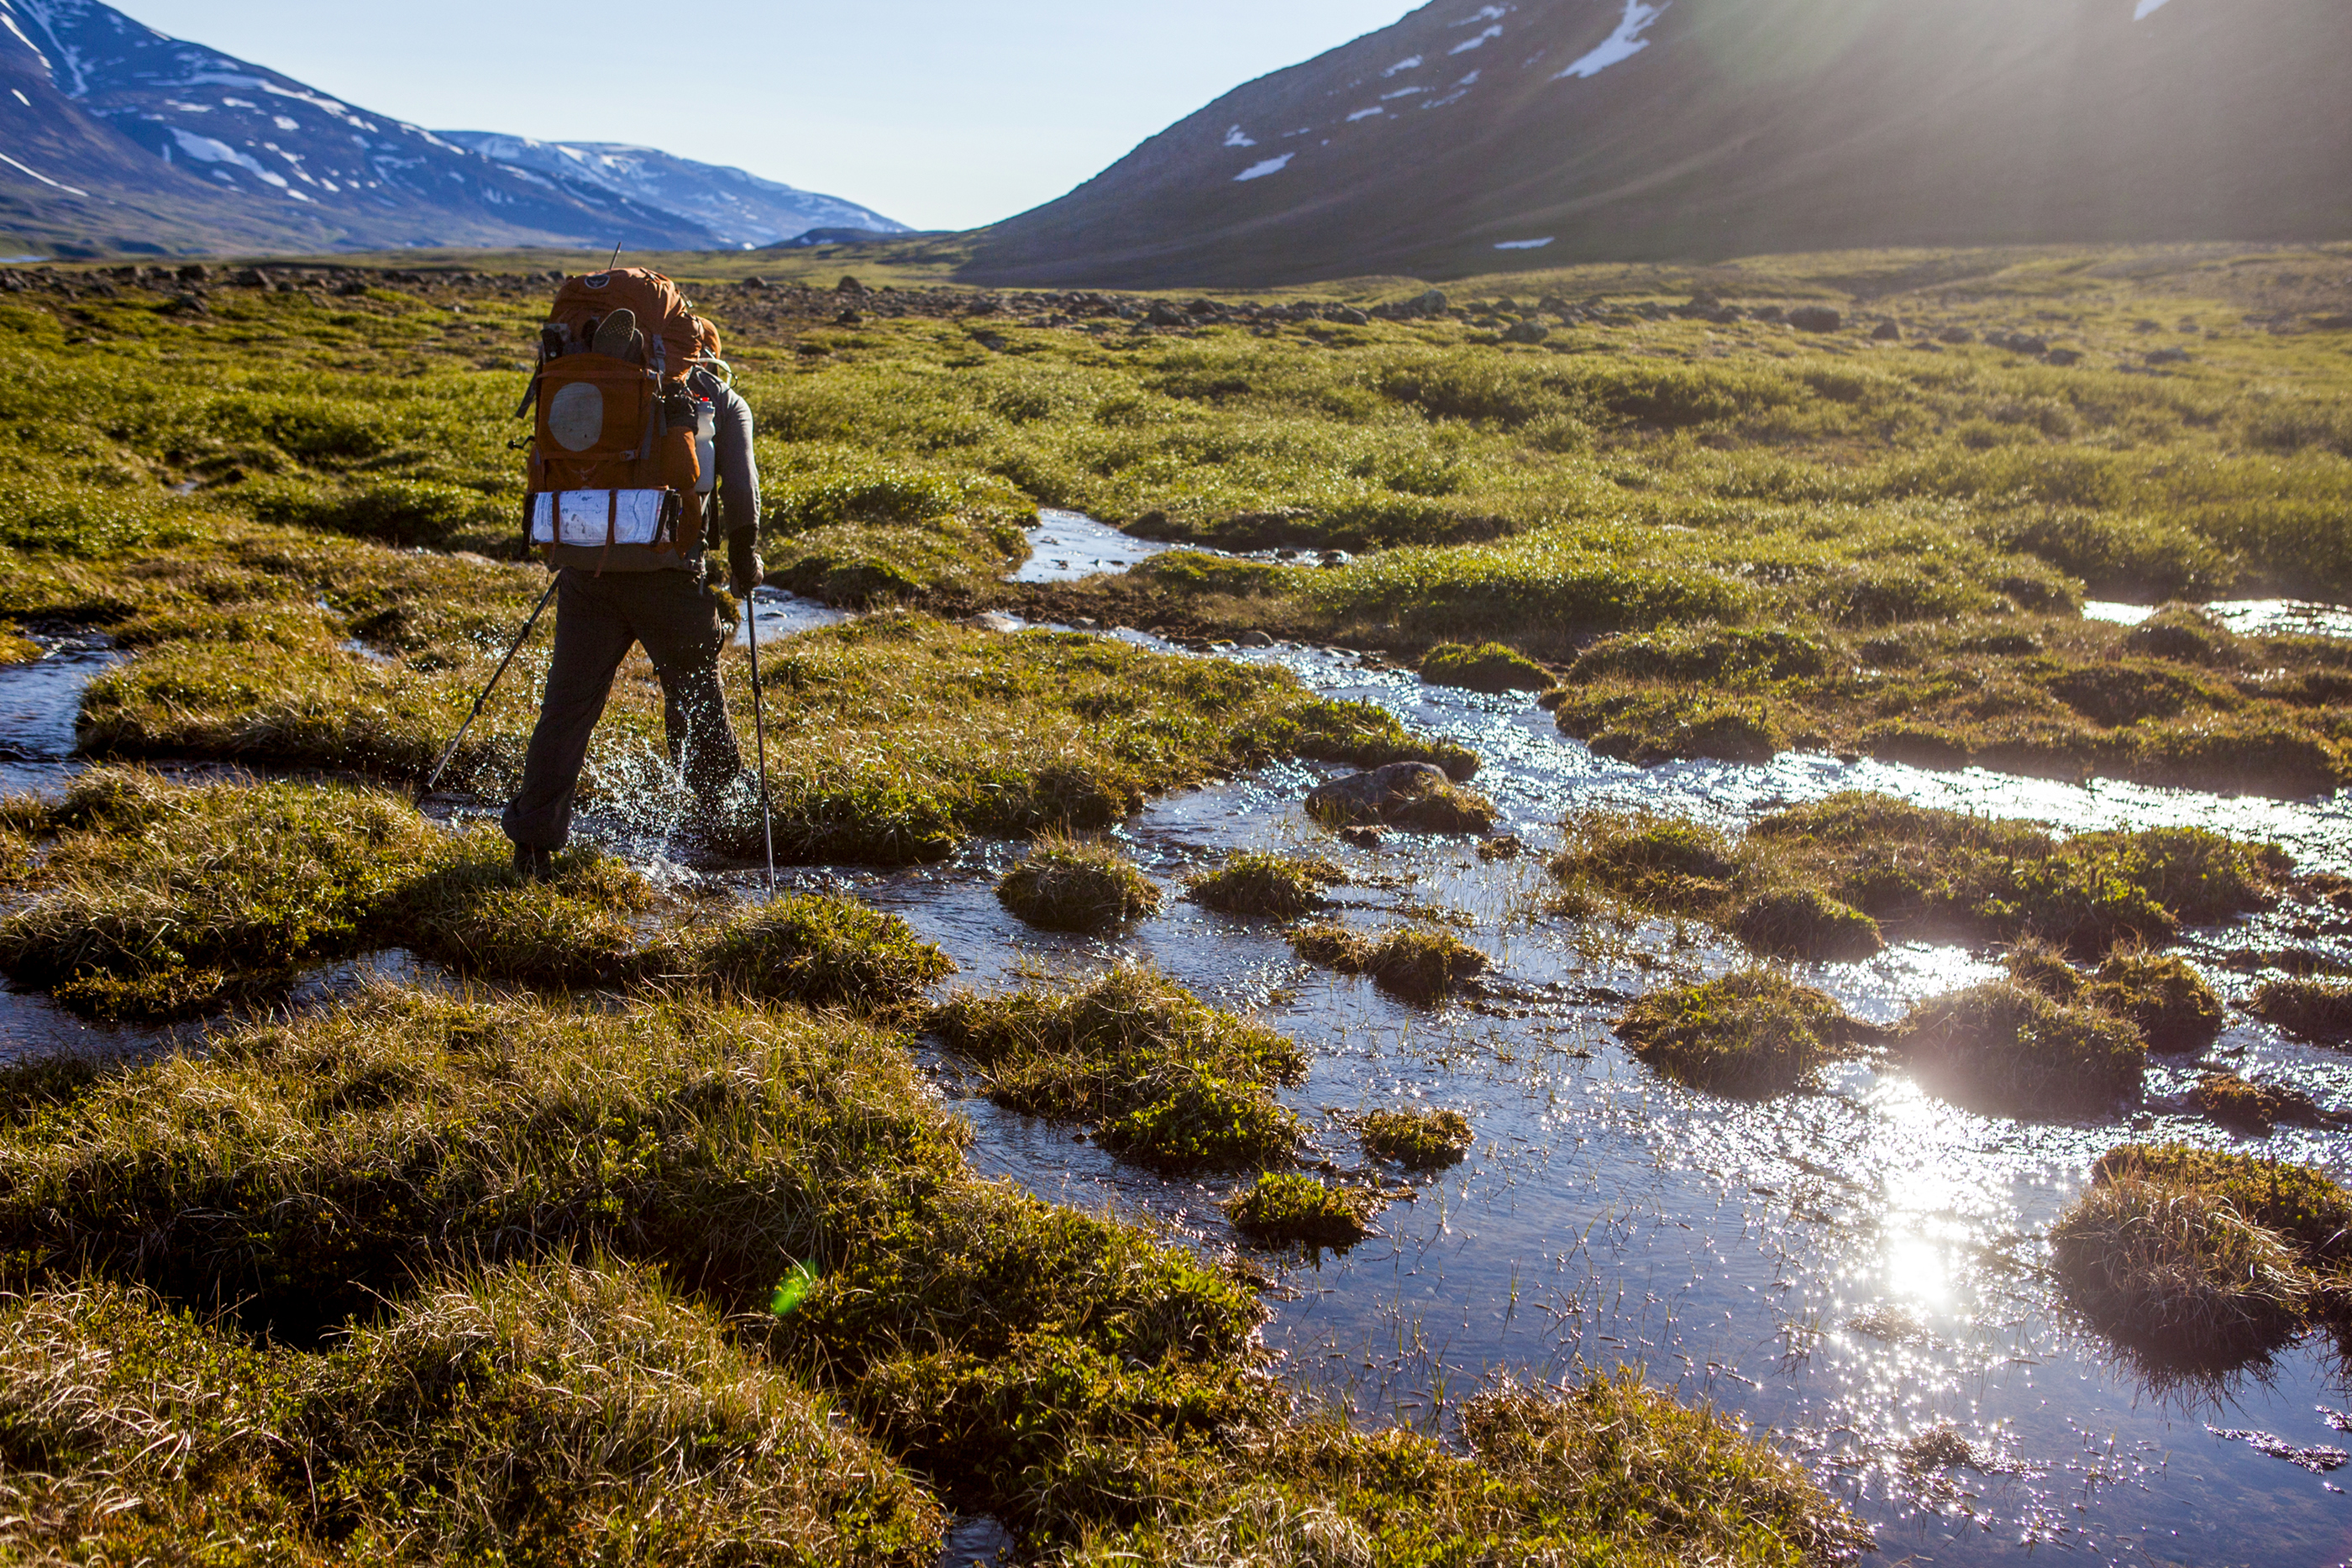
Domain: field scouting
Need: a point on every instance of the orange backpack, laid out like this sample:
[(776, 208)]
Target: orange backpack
[(612, 456)]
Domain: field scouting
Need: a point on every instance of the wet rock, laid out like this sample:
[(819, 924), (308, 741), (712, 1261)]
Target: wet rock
[(996, 620), (1336, 558), (1255, 640), (1361, 838), (1815, 318), (1417, 796)]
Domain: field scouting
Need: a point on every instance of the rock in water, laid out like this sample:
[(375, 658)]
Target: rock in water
[(1416, 796)]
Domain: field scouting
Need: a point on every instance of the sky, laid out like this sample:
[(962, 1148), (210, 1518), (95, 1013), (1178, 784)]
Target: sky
[(944, 114)]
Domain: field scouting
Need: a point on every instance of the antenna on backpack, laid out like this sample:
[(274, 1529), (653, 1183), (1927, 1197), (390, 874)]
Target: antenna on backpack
[(617, 256)]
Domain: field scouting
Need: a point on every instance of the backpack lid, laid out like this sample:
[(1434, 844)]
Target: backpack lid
[(663, 313)]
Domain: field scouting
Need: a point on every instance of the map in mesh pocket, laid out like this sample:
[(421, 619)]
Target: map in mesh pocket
[(597, 517)]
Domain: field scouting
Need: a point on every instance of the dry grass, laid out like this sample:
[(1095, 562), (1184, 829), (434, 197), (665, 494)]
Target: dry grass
[(2178, 1273), (2316, 1009), (1999, 1047)]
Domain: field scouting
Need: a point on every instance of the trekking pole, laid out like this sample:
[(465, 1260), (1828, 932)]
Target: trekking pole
[(458, 739), (760, 734)]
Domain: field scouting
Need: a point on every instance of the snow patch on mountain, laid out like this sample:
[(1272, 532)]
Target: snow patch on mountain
[(44, 179), (1526, 244), (1260, 170), (1480, 42), (1366, 113), (1410, 63), (1234, 138), (2147, 9), (1624, 43)]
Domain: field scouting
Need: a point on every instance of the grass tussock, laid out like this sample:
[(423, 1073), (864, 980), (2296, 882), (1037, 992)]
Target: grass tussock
[(2254, 1110), (1416, 963), (2199, 1260), (1162, 1078), (1284, 1209), (1489, 667), (2001, 1047), (1804, 880), (822, 951), (1255, 881), (2178, 1274), (1751, 1034), (156, 903), (2316, 1009), (1067, 885), (2174, 1007), (309, 1168), (532, 1414), (1417, 1140)]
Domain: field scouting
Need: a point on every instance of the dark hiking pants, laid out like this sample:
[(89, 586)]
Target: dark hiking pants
[(596, 621)]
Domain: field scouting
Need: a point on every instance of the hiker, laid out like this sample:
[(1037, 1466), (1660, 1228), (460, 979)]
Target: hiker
[(628, 377)]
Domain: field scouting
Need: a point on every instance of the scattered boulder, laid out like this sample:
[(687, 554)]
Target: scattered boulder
[(1886, 332), (1164, 314), (1414, 796), (1347, 315), (1956, 336), (1528, 332), (996, 620), (849, 286), (1815, 318)]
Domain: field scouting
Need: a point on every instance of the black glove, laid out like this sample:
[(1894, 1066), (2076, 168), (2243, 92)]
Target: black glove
[(744, 568)]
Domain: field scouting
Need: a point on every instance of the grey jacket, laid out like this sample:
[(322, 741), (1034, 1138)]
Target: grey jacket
[(737, 507)]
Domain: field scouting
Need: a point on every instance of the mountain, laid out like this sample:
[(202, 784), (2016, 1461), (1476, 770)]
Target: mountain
[(1468, 138), (743, 211), (115, 137)]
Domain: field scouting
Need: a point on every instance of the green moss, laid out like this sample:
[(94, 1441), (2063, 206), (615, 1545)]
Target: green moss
[(2315, 1009), (1281, 1209), (1489, 667), (1067, 885), (2002, 1048), (1752, 1034), (1416, 963), (1255, 881), (824, 952), (1165, 1079), (1417, 1140), (2311, 1212)]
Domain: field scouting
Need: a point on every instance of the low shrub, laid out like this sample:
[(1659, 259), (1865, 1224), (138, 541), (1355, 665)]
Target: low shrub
[(1064, 884), (1281, 1209), (1165, 1079), (2316, 1009), (1417, 1140), (1255, 881), (1750, 1034), (1411, 962), (2001, 1047), (1489, 667)]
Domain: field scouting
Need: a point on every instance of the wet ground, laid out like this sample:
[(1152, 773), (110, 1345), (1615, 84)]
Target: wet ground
[(1847, 1271)]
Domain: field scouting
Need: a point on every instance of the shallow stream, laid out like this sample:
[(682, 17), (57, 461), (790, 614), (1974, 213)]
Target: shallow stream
[(1847, 1271)]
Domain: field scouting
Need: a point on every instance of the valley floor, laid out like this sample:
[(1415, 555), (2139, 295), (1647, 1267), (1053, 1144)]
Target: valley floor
[(639, 1211)]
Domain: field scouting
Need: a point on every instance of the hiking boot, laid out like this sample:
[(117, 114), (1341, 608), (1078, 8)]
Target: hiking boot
[(534, 863), (616, 333)]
